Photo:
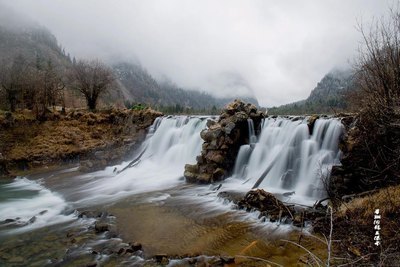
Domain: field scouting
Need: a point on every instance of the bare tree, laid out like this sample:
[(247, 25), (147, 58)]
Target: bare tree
[(12, 80), (92, 79), (49, 87), (378, 67), (378, 80)]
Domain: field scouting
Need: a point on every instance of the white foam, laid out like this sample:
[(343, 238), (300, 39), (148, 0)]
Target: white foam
[(40, 208)]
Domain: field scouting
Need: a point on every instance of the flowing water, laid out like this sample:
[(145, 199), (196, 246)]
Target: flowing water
[(153, 204)]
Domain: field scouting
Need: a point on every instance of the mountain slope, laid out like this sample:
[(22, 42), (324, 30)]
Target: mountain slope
[(138, 86), (329, 96), (20, 37)]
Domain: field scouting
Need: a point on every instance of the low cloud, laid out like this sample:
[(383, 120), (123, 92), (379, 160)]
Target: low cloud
[(276, 51)]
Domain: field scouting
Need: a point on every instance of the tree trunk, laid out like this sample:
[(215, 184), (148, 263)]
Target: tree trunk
[(91, 103)]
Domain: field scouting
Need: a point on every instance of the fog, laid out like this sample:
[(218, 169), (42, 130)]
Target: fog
[(276, 51)]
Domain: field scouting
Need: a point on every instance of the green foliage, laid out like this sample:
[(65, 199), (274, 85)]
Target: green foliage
[(134, 106)]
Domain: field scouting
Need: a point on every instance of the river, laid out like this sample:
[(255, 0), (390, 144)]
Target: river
[(45, 218)]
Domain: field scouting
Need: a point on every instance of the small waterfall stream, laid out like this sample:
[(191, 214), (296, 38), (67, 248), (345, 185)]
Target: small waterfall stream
[(252, 134)]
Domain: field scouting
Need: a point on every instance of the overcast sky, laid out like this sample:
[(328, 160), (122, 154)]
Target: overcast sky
[(275, 50)]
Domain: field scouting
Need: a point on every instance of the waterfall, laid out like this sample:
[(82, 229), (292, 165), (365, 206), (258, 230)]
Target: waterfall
[(242, 161), (290, 158), (171, 143), (252, 134)]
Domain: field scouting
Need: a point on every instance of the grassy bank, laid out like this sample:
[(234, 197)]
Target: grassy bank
[(77, 135)]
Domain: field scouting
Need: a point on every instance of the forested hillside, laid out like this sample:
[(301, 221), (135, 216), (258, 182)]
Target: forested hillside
[(329, 96), (138, 86), (36, 74)]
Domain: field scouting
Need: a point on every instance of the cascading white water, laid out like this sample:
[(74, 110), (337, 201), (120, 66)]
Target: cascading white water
[(294, 159), (241, 161), (172, 142), (30, 205), (252, 134)]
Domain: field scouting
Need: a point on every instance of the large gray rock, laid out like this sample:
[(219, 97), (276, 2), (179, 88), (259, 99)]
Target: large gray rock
[(222, 141)]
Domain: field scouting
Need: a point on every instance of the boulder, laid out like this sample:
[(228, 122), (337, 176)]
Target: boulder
[(136, 246), (215, 156), (241, 116), (218, 174), (229, 127), (222, 140), (101, 226), (210, 123)]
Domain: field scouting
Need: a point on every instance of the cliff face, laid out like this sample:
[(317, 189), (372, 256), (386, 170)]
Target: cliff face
[(222, 140), (94, 139)]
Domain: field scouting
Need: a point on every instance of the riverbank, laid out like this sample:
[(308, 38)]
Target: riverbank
[(94, 140), (151, 203)]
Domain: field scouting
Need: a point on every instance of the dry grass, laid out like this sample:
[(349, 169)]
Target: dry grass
[(354, 228), (64, 137), (386, 199)]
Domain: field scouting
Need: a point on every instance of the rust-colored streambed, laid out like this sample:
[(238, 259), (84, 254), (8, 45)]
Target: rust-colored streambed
[(182, 221), (173, 224)]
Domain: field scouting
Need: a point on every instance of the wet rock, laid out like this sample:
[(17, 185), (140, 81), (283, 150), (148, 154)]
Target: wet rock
[(8, 221), (129, 250), (227, 259), (89, 214), (241, 116), (310, 123), (264, 201), (101, 227), (100, 154), (191, 261), (32, 220), (229, 127), (136, 246), (215, 156), (222, 141), (86, 166), (211, 123), (233, 196), (111, 234), (218, 174), (43, 212), (204, 178), (162, 259)]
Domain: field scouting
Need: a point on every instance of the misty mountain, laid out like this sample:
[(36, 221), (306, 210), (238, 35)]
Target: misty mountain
[(329, 96), (33, 42), (20, 37), (138, 86)]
